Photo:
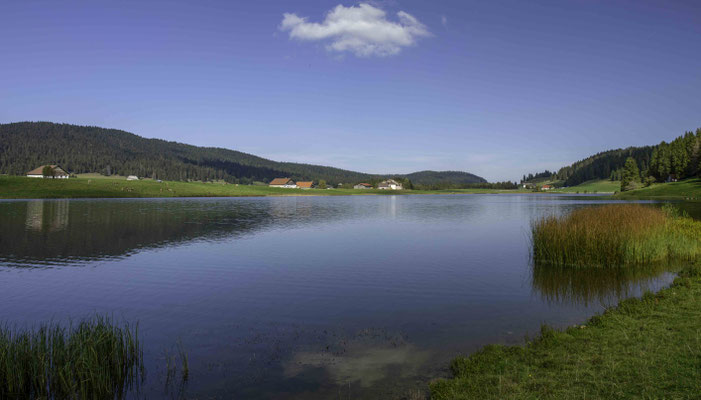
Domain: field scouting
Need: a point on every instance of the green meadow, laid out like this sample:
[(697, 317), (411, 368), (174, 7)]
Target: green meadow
[(689, 189), (593, 186), (14, 187)]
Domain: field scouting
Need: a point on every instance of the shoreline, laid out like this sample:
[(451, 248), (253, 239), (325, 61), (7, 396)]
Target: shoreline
[(642, 347), (18, 188)]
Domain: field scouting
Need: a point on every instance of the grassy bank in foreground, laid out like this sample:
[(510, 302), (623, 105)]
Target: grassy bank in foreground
[(689, 189), (93, 359), (13, 187), (615, 235), (643, 348)]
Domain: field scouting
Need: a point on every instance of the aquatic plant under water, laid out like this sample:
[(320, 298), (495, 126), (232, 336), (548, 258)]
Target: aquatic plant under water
[(93, 359)]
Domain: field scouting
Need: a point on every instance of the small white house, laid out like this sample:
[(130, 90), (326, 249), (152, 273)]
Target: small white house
[(390, 184), (58, 172), (286, 183), (132, 178), (363, 186)]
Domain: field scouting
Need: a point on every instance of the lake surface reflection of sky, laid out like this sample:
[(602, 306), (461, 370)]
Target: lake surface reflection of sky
[(300, 297)]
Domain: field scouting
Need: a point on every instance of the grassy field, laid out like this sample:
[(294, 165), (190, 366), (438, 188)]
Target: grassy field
[(94, 359), (648, 348), (595, 186), (615, 235), (12, 187), (689, 189)]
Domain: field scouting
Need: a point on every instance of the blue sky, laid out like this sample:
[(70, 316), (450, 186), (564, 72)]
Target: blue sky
[(497, 88)]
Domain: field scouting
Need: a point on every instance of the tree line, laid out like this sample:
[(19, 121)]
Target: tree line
[(87, 149), (679, 159)]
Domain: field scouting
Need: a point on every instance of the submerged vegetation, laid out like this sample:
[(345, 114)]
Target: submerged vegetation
[(615, 235), (95, 358)]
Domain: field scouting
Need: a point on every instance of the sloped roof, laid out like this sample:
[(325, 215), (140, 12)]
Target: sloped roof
[(279, 181), (305, 185), (365, 184), (40, 170)]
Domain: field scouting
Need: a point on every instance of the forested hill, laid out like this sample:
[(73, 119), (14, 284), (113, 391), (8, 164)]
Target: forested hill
[(680, 158), (79, 149), (443, 178)]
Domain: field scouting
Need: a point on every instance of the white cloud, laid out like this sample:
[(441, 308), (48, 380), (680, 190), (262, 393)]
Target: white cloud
[(362, 30), (444, 20)]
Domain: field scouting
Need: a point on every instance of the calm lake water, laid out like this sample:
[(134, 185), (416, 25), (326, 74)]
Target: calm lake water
[(299, 297)]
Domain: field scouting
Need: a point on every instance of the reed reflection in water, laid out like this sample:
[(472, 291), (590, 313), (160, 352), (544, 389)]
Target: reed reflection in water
[(585, 286)]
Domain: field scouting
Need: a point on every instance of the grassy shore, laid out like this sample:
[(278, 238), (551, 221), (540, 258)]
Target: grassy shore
[(642, 349), (12, 187), (689, 189), (594, 186), (94, 359)]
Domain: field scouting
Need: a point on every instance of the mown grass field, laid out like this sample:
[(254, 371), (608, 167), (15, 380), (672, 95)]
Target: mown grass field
[(594, 186), (13, 187), (648, 348), (689, 189)]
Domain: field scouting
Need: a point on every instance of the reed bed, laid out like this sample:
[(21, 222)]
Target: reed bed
[(94, 359), (615, 235)]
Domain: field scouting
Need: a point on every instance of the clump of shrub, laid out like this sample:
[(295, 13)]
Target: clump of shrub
[(615, 235), (94, 359)]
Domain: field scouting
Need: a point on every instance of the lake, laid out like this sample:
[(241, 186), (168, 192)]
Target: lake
[(299, 297)]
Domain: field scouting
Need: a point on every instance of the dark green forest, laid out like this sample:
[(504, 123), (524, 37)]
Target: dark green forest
[(81, 149), (678, 159)]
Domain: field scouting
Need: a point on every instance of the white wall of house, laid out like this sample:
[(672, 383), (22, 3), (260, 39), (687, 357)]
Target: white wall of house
[(48, 177)]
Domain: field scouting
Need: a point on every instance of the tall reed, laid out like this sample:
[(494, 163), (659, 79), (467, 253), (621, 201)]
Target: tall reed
[(615, 235), (94, 359)]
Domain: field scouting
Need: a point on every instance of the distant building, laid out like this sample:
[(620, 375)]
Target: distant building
[(546, 187), (283, 183), (390, 184), (132, 178), (305, 185), (527, 185), (59, 173), (363, 186)]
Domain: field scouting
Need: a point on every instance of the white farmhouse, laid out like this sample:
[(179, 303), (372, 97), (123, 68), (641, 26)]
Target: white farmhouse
[(390, 184), (58, 172)]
